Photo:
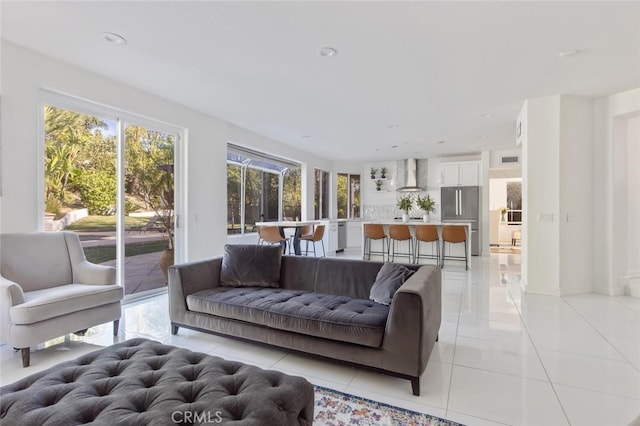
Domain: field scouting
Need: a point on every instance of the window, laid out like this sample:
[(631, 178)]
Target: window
[(321, 194), (234, 198), (514, 202), (348, 196), (292, 194), (260, 188)]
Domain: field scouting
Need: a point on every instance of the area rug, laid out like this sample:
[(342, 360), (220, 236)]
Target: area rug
[(335, 408)]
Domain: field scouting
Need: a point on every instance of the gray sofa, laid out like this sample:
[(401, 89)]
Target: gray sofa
[(318, 306)]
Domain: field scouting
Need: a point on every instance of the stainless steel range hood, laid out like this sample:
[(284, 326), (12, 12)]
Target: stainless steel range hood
[(411, 182)]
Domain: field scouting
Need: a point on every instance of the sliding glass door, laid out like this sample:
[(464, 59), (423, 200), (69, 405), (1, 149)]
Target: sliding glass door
[(113, 183)]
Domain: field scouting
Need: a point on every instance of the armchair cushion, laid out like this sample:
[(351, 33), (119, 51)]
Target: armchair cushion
[(36, 260), (40, 305)]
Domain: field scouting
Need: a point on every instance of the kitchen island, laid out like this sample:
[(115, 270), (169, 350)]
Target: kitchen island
[(453, 249)]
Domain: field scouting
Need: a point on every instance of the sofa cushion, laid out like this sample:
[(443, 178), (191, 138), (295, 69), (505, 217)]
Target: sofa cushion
[(331, 317), (389, 279), (40, 305), (251, 265), (346, 277)]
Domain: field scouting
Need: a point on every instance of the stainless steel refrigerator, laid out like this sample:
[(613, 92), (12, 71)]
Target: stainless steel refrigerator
[(462, 204)]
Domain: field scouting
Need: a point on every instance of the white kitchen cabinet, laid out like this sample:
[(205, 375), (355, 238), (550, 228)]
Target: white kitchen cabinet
[(354, 233), (330, 237), (464, 173)]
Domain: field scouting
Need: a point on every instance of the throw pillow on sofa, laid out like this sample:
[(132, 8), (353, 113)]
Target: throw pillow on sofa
[(251, 266), (389, 279)]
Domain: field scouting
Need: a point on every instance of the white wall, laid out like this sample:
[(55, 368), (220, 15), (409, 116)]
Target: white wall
[(576, 173), (498, 192), (612, 186), (540, 194), (590, 150), (25, 72), (633, 196), (496, 158), (557, 153)]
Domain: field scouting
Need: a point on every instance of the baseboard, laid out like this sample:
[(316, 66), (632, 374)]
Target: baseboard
[(631, 284)]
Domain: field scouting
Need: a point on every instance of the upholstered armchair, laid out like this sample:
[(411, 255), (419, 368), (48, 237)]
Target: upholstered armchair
[(49, 289)]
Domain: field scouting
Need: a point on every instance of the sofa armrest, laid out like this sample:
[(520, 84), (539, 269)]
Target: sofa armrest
[(86, 272), (189, 278), (414, 319)]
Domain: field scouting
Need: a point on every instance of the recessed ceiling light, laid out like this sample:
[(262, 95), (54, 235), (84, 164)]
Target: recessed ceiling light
[(487, 115), (394, 146), (327, 51), (114, 38), (306, 136), (393, 126), (483, 136), (440, 142), (566, 53)]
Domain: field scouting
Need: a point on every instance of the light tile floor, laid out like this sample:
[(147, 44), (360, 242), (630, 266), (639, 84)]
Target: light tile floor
[(504, 357)]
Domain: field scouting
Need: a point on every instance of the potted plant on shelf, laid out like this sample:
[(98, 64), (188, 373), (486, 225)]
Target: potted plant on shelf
[(374, 171), (427, 205), (405, 203), (383, 173), (503, 212), (378, 185)]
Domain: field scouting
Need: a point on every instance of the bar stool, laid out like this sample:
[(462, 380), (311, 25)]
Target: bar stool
[(454, 234), (374, 231), (400, 233), (315, 237), (427, 234)]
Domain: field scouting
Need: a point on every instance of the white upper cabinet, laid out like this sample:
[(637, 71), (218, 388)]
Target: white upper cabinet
[(463, 174)]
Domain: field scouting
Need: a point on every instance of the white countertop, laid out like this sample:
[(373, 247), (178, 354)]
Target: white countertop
[(414, 222)]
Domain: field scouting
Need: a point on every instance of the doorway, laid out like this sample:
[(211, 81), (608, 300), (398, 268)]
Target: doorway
[(505, 212)]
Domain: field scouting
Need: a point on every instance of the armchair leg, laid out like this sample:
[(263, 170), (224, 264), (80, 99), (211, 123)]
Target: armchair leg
[(26, 356), (116, 325), (174, 329)]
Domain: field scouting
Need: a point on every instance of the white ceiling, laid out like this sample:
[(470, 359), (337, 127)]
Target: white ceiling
[(432, 68)]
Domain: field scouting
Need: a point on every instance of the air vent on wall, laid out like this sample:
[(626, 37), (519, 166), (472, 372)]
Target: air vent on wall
[(506, 160)]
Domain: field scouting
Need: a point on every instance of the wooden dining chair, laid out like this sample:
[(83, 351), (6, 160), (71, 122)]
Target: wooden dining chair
[(305, 231), (317, 235), (271, 235)]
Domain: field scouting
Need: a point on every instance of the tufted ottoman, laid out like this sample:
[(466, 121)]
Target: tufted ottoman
[(142, 382)]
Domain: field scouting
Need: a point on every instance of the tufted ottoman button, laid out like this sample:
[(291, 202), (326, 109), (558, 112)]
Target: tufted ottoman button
[(281, 408)]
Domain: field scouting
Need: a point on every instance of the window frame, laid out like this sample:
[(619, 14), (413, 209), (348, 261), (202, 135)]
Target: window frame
[(322, 181), (245, 165)]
